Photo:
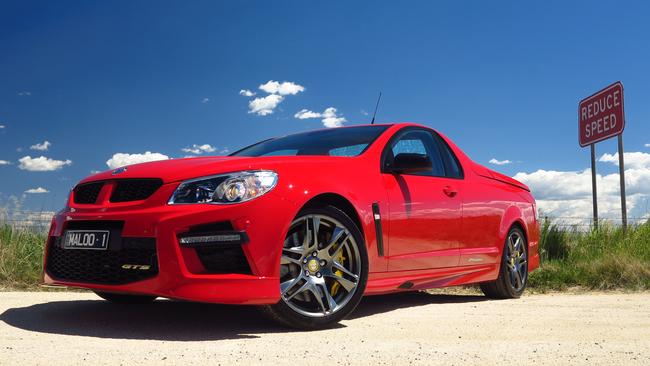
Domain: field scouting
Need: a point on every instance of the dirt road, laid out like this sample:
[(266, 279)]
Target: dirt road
[(57, 328)]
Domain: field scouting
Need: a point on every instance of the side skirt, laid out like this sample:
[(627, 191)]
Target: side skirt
[(387, 282)]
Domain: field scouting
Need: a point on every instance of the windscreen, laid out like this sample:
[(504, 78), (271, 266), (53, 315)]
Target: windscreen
[(348, 141)]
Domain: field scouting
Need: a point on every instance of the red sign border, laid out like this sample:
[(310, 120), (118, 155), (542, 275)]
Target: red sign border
[(622, 111)]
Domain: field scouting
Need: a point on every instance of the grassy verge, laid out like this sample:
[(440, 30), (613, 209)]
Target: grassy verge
[(21, 257), (605, 259)]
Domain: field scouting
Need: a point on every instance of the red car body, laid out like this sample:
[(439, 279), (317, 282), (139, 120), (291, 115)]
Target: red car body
[(443, 232)]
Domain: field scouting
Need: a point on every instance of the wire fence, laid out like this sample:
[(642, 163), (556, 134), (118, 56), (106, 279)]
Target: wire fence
[(40, 220), (586, 223), (28, 220)]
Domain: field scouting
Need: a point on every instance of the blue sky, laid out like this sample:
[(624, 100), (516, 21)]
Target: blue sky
[(502, 79)]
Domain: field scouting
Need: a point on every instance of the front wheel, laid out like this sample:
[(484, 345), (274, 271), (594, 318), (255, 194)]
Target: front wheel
[(513, 272), (323, 270)]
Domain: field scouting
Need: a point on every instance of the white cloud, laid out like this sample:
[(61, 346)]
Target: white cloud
[(499, 162), (305, 114), (24, 93), (330, 118), (246, 93), (122, 159), (95, 171), (263, 106), (568, 194), (42, 146), (646, 145), (199, 149), (37, 190), (2, 126), (205, 100), (41, 164), (632, 159), (5, 162), (283, 88), (364, 112)]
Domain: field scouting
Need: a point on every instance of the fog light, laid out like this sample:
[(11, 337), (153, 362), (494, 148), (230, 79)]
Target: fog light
[(216, 239)]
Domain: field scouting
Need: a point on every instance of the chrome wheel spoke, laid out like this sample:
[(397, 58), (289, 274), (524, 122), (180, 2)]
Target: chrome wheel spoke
[(305, 286), (288, 260), (311, 236), (331, 303), (316, 293), (518, 280), (287, 285), (511, 246), (518, 244), (340, 267), (338, 235), (344, 282), (294, 250)]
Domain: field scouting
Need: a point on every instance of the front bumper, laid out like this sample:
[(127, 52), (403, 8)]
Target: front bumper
[(180, 274)]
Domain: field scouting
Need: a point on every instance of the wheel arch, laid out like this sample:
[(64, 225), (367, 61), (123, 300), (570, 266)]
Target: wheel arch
[(513, 217), (338, 201)]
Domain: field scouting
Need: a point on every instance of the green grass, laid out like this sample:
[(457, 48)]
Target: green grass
[(604, 259), (21, 257)]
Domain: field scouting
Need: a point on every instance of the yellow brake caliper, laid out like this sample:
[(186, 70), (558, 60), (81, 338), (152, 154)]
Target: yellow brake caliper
[(336, 285)]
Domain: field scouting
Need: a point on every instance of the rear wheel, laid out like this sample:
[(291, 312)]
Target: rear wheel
[(513, 273), (125, 298), (323, 270)]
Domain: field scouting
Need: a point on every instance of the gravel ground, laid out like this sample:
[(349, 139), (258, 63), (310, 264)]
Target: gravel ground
[(65, 328)]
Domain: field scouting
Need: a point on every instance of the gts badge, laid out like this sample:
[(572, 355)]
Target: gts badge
[(136, 267)]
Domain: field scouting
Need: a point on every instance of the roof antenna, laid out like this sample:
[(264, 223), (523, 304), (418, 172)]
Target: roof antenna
[(376, 106)]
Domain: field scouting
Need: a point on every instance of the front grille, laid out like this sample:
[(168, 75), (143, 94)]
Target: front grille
[(87, 193), (134, 189), (104, 266)]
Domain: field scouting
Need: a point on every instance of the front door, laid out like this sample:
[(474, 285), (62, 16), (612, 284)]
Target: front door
[(425, 207)]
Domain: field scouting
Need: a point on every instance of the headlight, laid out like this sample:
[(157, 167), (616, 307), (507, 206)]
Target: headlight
[(226, 188)]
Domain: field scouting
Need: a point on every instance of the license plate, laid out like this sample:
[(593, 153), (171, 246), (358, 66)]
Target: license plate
[(86, 239)]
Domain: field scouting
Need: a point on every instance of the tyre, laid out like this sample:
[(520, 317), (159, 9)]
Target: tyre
[(323, 270), (124, 298), (513, 272)]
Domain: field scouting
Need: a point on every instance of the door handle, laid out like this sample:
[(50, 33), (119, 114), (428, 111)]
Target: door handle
[(450, 191)]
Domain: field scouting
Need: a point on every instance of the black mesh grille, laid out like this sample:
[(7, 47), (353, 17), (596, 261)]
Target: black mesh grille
[(224, 259), (87, 193), (104, 266), (134, 189)]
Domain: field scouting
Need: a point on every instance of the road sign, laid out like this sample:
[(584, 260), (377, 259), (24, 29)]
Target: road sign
[(601, 115)]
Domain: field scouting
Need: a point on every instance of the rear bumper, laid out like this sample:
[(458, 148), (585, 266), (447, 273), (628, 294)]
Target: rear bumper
[(181, 275)]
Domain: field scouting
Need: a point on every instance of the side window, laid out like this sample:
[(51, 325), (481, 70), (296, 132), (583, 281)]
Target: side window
[(353, 150), (421, 143), (281, 153), (452, 166)]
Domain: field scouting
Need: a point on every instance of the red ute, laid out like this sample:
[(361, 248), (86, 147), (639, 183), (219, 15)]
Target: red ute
[(304, 224)]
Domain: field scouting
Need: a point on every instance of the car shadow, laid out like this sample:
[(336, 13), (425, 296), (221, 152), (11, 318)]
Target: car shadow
[(371, 305), (183, 321)]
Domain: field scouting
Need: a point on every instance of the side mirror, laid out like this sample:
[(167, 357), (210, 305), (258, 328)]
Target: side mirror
[(409, 163)]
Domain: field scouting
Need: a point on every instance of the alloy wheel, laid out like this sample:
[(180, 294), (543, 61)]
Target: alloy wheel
[(516, 261), (320, 266)]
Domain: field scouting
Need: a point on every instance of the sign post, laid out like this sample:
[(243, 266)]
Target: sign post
[(621, 172), (602, 116), (594, 195)]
